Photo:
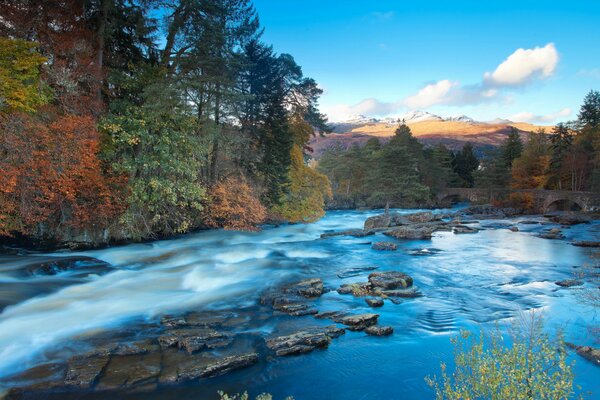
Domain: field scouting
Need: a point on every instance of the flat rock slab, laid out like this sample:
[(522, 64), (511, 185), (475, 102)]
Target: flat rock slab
[(296, 310), (376, 330), (303, 341), (309, 288), (461, 229), (178, 367), (131, 370), (411, 232), (82, 371), (193, 340), (389, 246)]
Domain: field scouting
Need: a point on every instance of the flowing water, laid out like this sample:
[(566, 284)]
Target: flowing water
[(468, 281)]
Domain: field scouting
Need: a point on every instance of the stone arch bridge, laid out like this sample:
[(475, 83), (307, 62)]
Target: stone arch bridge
[(544, 200)]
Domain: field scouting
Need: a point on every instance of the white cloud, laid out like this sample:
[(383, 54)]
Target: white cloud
[(431, 94), (523, 66), (547, 118)]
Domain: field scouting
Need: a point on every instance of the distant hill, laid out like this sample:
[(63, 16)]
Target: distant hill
[(429, 128)]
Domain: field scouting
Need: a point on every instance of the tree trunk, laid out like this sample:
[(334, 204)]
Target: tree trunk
[(100, 43), (215, 150)]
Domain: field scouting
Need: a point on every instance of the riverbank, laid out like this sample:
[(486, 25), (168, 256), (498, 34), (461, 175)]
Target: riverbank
[(224, 310)]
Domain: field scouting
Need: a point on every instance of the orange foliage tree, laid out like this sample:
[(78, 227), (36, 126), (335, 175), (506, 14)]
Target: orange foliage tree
[(52, 177), (234, 206)]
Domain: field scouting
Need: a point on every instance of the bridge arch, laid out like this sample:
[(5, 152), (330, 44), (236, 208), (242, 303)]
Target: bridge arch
[(564, 204)]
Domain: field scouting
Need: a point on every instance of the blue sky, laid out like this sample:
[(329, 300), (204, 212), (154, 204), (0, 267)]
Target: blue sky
[(383, 58)]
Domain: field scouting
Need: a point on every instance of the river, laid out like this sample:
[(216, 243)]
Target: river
[(469, 281)]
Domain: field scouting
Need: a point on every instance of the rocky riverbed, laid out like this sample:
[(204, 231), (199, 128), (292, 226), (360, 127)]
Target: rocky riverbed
[(310, 301)]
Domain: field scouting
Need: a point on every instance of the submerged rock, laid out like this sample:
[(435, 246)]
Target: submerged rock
[(377, 330), (553, 233), (570, 219), (303, 341), (389, 246), (348, 273), (586, 243), (569, 283), (460, 229), (423, 252), (589, 353), (351, 232)]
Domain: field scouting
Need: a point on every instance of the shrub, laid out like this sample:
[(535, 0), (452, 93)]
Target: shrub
[(532, 367), (234, 205), (244, 396)]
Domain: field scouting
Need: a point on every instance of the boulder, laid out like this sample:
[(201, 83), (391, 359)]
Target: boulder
[(514, 229), (390, 280), (374, 302), (389, 246), (377, 330), (308, 288), (360, 321), (420, 217), (569, 283), (379, 221)]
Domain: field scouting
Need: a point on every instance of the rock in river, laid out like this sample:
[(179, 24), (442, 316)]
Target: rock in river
[(303, 341), (384, 246), (589, 353), (377, 330), (569, 283), (390, 280), (360, 321), (374, 302), (411, 232)]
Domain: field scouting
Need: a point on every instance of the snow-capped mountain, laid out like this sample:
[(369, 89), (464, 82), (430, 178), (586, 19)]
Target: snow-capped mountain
[(461, 118)]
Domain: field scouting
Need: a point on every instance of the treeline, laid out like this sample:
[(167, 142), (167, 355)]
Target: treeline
[(567, 158), (399, 173), (139, 118), (404, 173)]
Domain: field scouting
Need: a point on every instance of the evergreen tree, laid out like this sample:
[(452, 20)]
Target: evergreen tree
[(465, 163), (512, 147), (561, 141)]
